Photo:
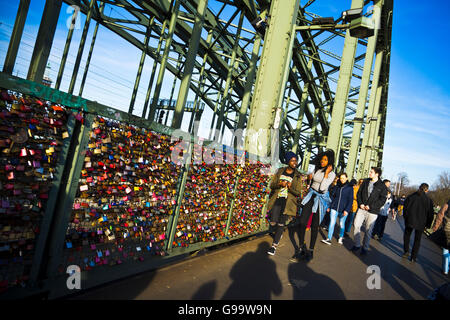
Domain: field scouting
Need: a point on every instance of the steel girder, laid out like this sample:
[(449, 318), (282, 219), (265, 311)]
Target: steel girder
[(306, 46)]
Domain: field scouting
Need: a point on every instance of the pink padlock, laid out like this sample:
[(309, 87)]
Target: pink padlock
[(23, 152)]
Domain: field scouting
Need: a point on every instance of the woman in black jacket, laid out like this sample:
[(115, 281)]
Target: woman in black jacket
[(341, 205), (418, 214)]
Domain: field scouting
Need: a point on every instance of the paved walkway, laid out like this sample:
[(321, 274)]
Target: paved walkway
[(245, 271)]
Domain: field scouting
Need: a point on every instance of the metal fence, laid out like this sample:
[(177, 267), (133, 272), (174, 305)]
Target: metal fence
[(87, 185)]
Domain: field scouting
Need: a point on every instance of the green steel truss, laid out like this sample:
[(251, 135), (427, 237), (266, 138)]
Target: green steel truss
[(213, 43)]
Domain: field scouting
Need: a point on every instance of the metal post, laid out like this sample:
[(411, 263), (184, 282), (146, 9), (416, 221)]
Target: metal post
[(219, 93), (67, 194), (334, 138), (303, 100), (16, 36), (162, 68), (370, 114), (44, 40), (176, 213), (62, 65), (81, 47), (285, 111), (272, 74), (231, 68), (362, 100), (172, 92), (189, 64), (152, 77), (201, 82), (373, 132), (249, 82), (141, 66), (307, 155), (88, 61)]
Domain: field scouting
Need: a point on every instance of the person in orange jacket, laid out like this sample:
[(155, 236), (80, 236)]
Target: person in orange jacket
[(351, 215)]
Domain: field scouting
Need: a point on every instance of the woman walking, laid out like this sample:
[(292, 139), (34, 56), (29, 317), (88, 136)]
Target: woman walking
[(341, 205), (351, 215), (285, 188), (443, 218), (316, 202), (380, 223)]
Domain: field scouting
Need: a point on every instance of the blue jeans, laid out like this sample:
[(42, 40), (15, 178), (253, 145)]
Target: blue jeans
[(349, 221), (445, 260), (333, 216)]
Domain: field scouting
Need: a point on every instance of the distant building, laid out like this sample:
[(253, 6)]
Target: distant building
[(46, 81)]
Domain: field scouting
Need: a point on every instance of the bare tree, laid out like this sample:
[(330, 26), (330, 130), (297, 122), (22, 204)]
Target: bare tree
[(401, 184), (443, 181), (441, 189)]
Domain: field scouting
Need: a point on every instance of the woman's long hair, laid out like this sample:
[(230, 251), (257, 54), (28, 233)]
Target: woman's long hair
[(330, 155)]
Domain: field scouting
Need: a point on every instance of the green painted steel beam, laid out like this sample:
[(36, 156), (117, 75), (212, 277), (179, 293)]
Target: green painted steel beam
[(66, 196), (152, 76), (141, 65), (228, 83), (373, 133), (91, 49), (362, 99), (334, 138), (371, 116), (269, 86), (190, 63), (81, 47), (182, 186), (44, 40), (16, 36), (249, 83), (213, 60), (62, 64), (301, 112), (165, 55)]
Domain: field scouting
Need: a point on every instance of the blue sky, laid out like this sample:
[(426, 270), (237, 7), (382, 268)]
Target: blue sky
[(416, 141)]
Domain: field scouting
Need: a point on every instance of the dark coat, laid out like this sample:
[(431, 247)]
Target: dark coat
[(418, 211), (294, 192), (377, 198), (342, 198)]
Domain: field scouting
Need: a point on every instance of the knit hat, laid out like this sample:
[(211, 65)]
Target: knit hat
[(289, 155)]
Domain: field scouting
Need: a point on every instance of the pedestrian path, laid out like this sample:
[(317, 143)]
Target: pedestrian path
[(245, 271)]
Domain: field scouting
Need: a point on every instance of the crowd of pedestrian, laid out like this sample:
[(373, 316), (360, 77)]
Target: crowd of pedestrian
[(331, 197)]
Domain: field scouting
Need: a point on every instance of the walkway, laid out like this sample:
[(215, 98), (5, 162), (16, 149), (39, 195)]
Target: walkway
[(245, 271)]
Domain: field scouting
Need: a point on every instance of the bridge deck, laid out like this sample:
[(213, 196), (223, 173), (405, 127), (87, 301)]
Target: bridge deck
[(245, 271)]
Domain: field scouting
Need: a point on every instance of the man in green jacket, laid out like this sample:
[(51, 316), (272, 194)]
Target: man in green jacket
[(286, 188)]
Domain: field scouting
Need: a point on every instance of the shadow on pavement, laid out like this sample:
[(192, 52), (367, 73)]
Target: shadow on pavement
[(307, 284), (254, 276)]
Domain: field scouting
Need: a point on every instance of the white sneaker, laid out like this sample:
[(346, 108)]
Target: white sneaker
[(341, 240), (327, 241)]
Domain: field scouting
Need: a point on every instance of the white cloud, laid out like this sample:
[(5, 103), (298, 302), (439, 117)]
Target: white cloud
[(407, 156)]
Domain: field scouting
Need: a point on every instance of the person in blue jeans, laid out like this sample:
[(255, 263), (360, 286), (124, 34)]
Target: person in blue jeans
[(443, 218), (341, 205)]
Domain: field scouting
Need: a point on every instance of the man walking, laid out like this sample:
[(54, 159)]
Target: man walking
[(371, 197), (418, 214)]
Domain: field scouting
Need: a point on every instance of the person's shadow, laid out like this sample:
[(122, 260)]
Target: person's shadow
[(309, 285), (254, 276)]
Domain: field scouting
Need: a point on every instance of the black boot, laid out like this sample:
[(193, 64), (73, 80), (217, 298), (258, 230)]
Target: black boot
[(309, 255)]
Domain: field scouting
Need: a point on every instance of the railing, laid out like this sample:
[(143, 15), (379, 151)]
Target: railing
[(102, 192)]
